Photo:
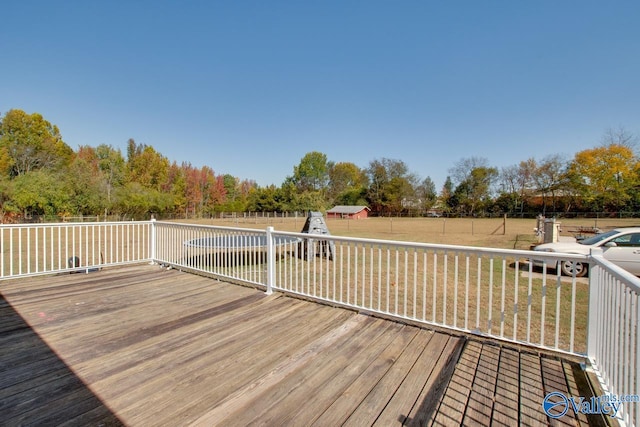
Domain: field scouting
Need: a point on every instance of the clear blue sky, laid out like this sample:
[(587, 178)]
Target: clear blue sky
[(249, 87)]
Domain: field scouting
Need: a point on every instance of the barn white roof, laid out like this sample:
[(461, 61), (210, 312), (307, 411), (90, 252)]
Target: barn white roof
[(343, 209)]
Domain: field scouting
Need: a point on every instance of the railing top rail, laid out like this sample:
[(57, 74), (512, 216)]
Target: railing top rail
[(72, 224), (436, 246), (632, 282), (214, 227)]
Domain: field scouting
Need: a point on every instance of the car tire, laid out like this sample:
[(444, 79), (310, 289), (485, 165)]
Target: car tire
[(567, 268)]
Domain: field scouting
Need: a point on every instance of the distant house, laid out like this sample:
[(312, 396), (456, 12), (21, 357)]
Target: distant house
[(350, 212)]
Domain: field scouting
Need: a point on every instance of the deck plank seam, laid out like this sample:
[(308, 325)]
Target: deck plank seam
[(468, 360)]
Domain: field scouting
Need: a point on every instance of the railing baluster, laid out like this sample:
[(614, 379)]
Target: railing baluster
[(466, 292), (371, 264), (355, 274), (558, 302), (434, 300), (635, 389), (60, 242), (388, 283), (379, 277), (516, 292), (11, 273), (36, 250), (20, 251), (544, 305), (2, 257), (572, 327), (415, 282), (490, 305), (455, 291), (348, 301), (425, 262), (529, 301), (396, 282), (478, 292), (625, 353), (93, 248), (445, 287), (405, 283), (364, 275), (503, 295), (619, 339)]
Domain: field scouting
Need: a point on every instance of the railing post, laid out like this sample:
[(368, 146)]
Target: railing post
[(152, 244), (594, 320), (271, 261)]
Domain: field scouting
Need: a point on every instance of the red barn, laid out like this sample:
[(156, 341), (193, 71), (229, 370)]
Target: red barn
[(349, 212)]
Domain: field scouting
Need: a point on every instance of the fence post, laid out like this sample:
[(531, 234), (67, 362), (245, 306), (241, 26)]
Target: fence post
[(594, 319), (504, 224), (152, 245), (271, 261)]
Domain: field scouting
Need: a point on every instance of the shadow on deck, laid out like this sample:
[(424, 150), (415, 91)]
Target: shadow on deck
[(146, 346), (36, 386)]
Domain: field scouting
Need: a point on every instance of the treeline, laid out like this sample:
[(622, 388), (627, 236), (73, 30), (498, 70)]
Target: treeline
[(41, 175)]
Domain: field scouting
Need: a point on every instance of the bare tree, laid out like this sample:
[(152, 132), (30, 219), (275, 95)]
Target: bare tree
[(620, 136), (549, 177), (461, 171), (517, 182)]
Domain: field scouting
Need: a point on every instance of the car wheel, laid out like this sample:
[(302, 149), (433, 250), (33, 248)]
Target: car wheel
[(568, 267)]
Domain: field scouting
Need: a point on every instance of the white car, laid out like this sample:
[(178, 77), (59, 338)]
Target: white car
[(620, 246)]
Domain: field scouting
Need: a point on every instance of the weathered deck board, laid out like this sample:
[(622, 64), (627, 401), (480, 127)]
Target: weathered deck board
[(454, 401), (505, 408), (480, 404), (146, 346), (500, 386), (279, 402), (36, 387), (426, 405)]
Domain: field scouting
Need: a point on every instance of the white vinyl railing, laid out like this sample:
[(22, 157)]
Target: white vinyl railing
[(613, 342), (492, 292), (495, 293), (33, 249), (230, 253)]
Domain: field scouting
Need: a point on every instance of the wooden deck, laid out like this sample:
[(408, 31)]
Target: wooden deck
[(143, 346)]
